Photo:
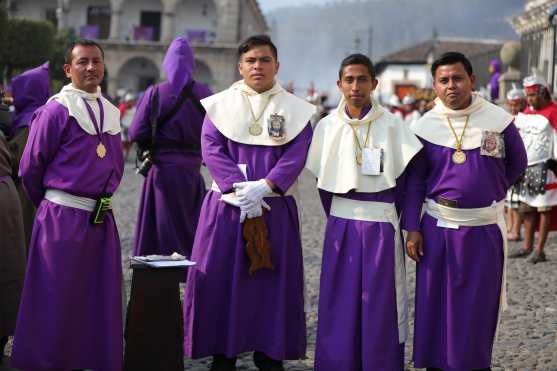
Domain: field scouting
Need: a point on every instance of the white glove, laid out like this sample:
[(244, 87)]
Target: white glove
[(253, 211), (251, 193)]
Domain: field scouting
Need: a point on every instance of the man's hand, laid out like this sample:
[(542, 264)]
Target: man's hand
[(415, 246), (251, 193), (253, 211)]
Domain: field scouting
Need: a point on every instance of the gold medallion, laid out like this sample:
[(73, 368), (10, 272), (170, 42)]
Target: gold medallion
[(359, 158), (459, 157), (101, 150), (255, 129)]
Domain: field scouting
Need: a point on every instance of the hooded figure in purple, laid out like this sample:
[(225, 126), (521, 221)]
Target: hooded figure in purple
[(30, 91), (70, 315), (174, 188), (472, 154), (495, 74), (254, 142)]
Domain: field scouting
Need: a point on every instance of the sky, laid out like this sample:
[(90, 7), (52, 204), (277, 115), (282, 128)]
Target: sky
[(268, 5)]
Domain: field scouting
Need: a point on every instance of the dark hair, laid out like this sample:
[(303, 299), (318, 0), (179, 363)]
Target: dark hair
[(254, 41), (82, 42), (452, 58), (356, 59)]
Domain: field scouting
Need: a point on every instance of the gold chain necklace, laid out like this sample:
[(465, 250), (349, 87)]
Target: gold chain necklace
[(458, 157), (359, 155), (255, 128)]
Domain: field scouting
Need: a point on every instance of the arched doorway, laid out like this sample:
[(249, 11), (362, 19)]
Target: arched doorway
[(137, 74), (202, 73)]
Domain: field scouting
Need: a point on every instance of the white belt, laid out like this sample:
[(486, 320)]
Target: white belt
[(494, 214), (66, 199), (371, 211)]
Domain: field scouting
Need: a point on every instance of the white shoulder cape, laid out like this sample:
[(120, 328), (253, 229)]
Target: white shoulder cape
[(332, 154), (230, 113), (483, 115), (72, 99)]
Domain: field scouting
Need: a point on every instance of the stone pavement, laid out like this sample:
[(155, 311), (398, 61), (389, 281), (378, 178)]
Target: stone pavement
[(528, 333)]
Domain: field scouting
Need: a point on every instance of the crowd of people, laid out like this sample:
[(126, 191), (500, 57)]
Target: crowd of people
[(413, 166)]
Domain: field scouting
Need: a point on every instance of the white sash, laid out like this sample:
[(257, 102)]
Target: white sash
[(476, 217), (382, 212), (66, 199)]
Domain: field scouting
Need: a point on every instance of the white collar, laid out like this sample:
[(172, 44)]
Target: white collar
[(72, 98)]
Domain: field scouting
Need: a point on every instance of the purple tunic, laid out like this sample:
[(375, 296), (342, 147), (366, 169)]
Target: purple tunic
[(30, 90), (358, 327), (174, 188), (71, 310), (227, 310), (358, 323), (458, 280)]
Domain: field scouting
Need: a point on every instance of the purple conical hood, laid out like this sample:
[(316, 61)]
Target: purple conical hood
[(30, 90), (178, 63)]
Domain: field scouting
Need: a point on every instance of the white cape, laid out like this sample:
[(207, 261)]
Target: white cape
[(483, 115), (332, 154), (229, 111), (72, 99)]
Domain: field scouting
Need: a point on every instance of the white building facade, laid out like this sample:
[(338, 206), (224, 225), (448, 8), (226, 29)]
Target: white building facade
[(135, 34)]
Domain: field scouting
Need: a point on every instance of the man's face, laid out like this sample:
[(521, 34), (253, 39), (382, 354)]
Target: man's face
[(259, 67), (356, 84), (515, 106), (453, 85), (534, 99), (86, 69)]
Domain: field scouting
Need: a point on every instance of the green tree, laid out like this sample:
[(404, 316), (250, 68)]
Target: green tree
[(61, 42), (28, 44)]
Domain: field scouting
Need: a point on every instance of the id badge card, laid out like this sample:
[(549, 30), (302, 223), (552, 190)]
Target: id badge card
[(372, 159)]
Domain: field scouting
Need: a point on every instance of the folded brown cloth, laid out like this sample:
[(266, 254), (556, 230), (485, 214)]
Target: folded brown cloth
[(258, 247)]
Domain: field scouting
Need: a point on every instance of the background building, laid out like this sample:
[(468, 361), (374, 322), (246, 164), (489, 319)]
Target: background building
[(537, 38), (135, 34), (408, 70)]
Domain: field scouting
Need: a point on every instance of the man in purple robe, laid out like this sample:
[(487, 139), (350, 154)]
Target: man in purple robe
[(174, 188), (359, 154), (70, 315), (254, 142), (495, 75), (30, 90), (472, 154)]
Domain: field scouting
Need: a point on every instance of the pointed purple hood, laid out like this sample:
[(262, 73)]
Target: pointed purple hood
[(178, 63), (30, 90)]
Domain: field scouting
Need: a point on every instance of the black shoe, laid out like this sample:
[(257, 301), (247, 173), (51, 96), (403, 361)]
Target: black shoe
[(221, 363), (265, 363)]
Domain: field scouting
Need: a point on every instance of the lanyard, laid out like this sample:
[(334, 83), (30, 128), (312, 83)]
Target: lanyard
[(98, 128)]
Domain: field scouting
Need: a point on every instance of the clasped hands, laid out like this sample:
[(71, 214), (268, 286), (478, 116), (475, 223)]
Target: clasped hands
[(250, 196)]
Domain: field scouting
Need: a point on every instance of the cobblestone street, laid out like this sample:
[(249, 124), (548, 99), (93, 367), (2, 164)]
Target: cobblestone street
[(528, 336)]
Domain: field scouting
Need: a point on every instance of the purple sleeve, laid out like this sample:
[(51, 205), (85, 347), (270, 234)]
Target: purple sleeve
[(414, 192), (291, 163), (140, 128), (515, 154), (222, 168), (326, 200), (43, 142)]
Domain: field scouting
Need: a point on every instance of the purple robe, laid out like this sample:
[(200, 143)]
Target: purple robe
[(71, 309), (227, 310), (493, 84), (30, 90), (358, 324), (174, 188), (458, 280)]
